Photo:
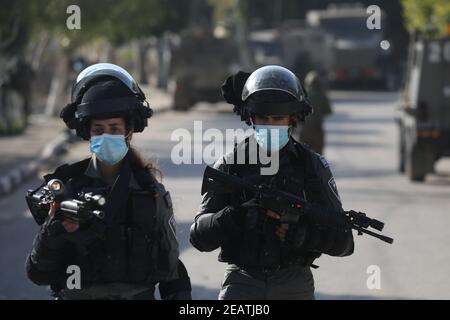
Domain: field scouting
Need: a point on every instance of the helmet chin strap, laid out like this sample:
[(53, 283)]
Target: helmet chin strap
[(128, 138), (290, 129)]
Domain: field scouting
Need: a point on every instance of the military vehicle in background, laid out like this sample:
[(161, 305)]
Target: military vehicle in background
[(424, 111), (266, 47), (294, 46), (355, 57), (201, 61)]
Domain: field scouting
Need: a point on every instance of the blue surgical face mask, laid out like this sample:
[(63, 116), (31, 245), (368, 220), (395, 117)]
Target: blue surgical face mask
[(271, 138), (109, 148)]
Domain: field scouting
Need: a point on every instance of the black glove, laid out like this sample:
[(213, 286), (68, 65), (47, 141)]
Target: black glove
[(48, 245), (53, 226), (253, 215), (248, 216), (320, 230), (232, 88)]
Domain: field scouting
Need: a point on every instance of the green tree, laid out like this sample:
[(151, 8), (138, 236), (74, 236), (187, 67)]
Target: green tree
[(427, 15), (116, 21)]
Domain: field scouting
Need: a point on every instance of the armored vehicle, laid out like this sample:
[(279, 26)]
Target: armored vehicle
[(424, 111)]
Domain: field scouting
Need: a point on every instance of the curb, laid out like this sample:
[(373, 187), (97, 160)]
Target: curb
[(17, 176)]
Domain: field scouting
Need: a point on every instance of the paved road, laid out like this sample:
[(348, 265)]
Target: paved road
[(362, 151)]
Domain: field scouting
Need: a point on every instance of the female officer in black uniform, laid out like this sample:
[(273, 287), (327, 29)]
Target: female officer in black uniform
[(134, 247)]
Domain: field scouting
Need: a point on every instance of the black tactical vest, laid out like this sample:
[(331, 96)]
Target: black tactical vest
[(125, 246), (261, 248), (124, 253)]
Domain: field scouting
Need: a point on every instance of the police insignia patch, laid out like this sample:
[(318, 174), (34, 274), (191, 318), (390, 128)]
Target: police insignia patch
[(173, 225), (333, 187), (324, 162)]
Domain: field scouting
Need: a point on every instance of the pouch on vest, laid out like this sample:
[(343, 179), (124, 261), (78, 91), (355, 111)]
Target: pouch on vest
[(141, 235), (165, 247)]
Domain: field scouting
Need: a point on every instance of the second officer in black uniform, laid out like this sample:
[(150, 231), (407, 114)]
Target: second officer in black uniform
[(134, 247), (267, 259)]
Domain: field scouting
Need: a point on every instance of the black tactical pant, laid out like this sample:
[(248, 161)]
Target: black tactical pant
[(292, 283)]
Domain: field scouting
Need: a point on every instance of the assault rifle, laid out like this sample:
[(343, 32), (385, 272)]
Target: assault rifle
[(289, 206)]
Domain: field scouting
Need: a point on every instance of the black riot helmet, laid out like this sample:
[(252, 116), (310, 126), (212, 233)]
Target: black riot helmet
[(105, 90), (274, 90)]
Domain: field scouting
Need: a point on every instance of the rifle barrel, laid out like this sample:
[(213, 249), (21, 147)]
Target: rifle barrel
[(376, 235)]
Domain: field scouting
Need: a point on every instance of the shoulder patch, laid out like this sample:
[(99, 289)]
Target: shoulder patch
[(168, 200), (333, 187), (324, 161)]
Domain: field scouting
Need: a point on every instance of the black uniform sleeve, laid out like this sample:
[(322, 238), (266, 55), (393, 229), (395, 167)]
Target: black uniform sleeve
[(216, 221), (328, 215), (179, 288), (166, 246), (45, 263)]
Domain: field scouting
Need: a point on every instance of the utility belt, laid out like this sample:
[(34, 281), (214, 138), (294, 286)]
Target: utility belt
[(263, 274), (300, 262)]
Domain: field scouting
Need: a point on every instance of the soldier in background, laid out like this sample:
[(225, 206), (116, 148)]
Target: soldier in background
[(311, 131)]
